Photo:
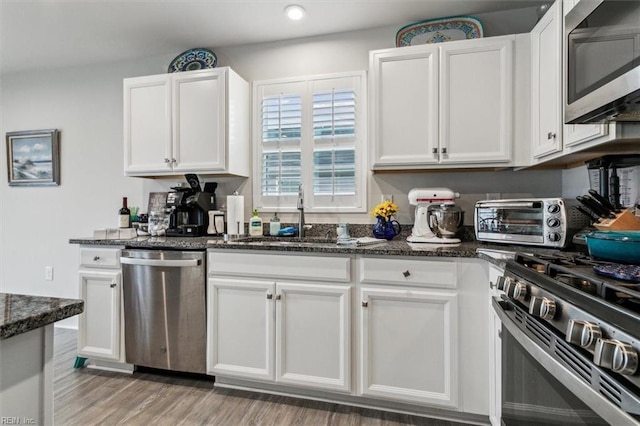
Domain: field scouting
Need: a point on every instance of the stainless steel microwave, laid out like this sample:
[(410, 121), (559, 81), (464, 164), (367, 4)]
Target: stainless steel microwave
[(544, 222), (602, 44)]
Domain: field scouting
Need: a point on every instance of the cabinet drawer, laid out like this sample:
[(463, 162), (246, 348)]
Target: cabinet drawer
[(429, 273), (94, 257), (280, 266)]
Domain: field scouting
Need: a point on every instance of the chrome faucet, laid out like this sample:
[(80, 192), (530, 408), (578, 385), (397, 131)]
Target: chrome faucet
[(300, 207)]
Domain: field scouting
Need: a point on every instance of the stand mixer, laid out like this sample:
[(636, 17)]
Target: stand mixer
[(437, 218)]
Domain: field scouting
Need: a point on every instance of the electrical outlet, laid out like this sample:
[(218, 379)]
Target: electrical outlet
[(48, 273), (385, 197)]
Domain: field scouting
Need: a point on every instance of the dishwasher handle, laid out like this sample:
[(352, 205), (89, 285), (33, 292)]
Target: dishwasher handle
[(179, 263)]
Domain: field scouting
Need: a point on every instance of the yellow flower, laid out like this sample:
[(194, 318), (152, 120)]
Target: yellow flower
[(385, 209)]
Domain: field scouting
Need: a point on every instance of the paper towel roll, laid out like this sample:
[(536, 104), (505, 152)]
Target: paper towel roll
[(235, 214)]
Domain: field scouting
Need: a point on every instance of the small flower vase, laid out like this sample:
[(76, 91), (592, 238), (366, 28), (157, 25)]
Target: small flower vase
[(386, 229)]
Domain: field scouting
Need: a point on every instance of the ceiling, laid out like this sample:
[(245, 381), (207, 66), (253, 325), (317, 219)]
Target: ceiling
[(55, 33)]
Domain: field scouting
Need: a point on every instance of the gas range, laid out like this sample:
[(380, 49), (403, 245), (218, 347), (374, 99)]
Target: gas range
[(590, 322)]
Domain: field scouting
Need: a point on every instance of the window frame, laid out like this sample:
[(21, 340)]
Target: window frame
[(285, 203)]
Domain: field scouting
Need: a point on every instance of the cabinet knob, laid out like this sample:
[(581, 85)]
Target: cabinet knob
[(434, 151), (112, 285), (269, 296), (365, 303), (551, 135), (96, 258), (406, 273), (173, 160), (278, 296), (166, 160), (443, 150)]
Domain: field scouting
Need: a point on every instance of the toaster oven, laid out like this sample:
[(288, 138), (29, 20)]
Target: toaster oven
[(544, 222)]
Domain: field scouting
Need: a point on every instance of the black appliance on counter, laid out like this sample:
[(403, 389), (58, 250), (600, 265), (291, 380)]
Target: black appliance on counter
[(189, 208), (608, 179), (570, 342)]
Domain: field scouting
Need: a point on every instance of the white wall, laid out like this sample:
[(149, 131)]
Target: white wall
[(85, 104)]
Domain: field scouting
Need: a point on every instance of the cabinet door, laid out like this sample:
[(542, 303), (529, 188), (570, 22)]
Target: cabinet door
[(404, 106), (240, 328), (576, 135), (147, 125), (546, 89), (476, 101), (409, 345), (99, 325), (495, 351), (198, 121), (313, 336)]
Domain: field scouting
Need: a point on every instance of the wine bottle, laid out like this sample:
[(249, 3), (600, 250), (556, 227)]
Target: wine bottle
[(124, 214)]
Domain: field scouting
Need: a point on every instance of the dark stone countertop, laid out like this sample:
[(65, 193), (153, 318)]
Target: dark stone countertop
[(396, 247), (21, 313)]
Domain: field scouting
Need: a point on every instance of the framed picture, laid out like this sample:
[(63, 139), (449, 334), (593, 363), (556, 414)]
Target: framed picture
[(33, 157)]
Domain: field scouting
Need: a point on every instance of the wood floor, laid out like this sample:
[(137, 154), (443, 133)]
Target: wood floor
[(90, 397)]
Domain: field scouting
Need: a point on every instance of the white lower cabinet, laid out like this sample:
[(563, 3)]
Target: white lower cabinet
[(379, 331), (289, 331), (100, 334), (409, 344), (423, 332)]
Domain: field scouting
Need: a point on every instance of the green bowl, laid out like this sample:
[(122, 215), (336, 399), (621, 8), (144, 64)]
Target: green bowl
[(615, 246)]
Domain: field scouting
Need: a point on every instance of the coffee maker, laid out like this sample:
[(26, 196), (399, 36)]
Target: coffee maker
[(189, 208)]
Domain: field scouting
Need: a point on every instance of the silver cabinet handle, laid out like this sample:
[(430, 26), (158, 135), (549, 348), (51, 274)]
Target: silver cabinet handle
[(96, 258), (365, 303), (406, 273), (551, 135)]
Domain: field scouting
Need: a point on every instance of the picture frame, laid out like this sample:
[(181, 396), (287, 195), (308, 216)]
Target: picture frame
[(33, 157)]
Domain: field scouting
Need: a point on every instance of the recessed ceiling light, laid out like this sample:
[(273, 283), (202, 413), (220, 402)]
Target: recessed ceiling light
[(294, 12)]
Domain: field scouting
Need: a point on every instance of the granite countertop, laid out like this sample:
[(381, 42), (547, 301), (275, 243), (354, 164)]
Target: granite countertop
[(21, 313), (321, 239), (396, 247)]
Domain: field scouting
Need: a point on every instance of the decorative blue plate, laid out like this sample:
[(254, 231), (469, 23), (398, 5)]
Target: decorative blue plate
[(439, 30), (193, 59)]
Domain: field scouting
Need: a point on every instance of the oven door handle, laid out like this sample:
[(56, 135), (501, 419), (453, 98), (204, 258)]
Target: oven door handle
[(600, 405)]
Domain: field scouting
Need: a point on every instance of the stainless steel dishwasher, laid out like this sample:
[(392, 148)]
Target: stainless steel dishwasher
[(164, 309)]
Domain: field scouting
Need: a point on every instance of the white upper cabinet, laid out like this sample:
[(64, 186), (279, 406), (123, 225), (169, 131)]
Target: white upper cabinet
[(546, 87), (189, 122), (429, 110)]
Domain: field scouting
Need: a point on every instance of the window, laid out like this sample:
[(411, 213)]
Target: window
[(310, 131)]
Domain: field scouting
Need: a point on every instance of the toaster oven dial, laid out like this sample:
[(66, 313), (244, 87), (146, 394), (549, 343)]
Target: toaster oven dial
[(554, 237), (553, 208), (583, 333), (553, 222), (542, 307), (618, 356)]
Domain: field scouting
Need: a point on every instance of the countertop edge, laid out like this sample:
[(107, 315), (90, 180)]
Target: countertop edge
[(43, 316)]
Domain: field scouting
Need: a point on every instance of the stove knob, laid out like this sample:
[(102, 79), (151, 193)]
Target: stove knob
[(583, 333), (542, 307), (515, 289), (616, 355), (501, 282), (553, 222)]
